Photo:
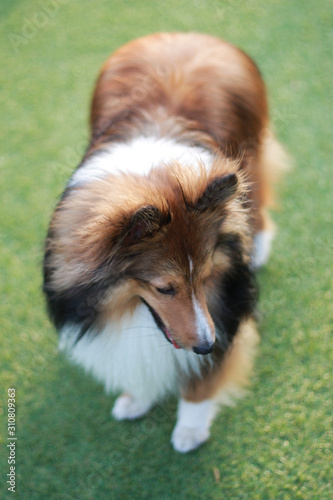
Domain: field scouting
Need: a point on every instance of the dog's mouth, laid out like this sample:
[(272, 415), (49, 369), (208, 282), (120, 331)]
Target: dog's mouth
[(161, 325), (170, 338)]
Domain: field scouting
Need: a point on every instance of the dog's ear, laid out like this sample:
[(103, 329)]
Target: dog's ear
[(217, 193), (145, 222)]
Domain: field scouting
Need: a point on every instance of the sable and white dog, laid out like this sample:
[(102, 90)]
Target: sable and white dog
[(150, 254)]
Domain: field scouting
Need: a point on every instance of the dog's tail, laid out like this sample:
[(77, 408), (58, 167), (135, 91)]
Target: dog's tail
[(274, 162)]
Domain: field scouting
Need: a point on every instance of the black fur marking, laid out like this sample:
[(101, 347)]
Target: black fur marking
[(235, 297), (218, 191), (79, 305)]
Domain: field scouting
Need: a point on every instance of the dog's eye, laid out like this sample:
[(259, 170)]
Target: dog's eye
[(169, 290)]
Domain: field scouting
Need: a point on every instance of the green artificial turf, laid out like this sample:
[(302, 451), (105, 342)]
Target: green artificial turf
[(277, 442)]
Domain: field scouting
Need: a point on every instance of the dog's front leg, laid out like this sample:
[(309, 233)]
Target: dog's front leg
[(126, 407), (193, 424)]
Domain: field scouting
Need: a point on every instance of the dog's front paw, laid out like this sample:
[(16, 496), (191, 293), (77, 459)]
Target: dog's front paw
[(128, 408), (185, 439)]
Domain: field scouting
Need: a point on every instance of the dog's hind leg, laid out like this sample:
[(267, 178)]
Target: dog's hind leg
[(265, 172), (262, 243)]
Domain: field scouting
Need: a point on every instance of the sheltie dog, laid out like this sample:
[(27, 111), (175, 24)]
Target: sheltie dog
[(151, 251)]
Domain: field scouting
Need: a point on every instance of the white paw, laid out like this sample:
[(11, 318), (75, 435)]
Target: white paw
[(185, 439), (127, 408), (262, 248)]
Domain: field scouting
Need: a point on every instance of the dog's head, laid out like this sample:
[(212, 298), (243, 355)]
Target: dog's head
[(160, 242)]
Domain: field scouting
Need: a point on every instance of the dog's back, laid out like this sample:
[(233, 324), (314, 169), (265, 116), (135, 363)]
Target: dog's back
[(190, 85)]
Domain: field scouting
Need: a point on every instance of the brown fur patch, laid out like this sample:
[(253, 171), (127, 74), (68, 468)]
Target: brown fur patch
[(233, 374)]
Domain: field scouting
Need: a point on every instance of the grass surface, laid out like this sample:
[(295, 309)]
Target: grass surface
[(277, 443)]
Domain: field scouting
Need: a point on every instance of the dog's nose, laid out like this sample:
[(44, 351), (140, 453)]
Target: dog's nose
[(204, 348)]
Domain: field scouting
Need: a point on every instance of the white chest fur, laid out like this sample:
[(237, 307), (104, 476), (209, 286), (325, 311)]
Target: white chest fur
[(132, 356)]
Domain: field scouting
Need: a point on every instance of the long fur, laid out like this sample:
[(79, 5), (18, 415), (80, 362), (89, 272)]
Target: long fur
[(150, 252)]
